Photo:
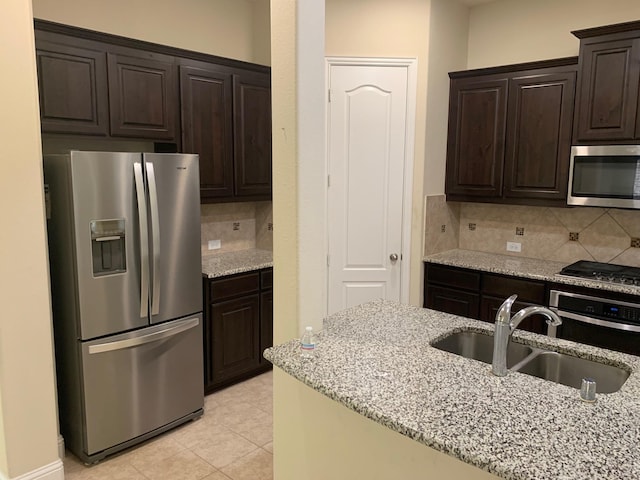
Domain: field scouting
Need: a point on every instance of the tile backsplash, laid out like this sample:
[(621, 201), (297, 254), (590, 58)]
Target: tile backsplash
[(560, 234), (238, 226)]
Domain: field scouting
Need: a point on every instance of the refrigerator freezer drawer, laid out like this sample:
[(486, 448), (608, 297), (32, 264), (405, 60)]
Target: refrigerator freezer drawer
[(140, 381)]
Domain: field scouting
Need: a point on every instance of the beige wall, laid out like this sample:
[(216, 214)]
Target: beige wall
[(513, 31), (285, 170), (227, 28), (28, 437), (261, 32)]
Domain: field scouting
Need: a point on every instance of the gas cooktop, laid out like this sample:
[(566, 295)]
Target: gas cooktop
[(604, 272)]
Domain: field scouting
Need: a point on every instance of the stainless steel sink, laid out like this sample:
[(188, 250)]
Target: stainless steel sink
[(480, 347), (569, 370), (553, 366)]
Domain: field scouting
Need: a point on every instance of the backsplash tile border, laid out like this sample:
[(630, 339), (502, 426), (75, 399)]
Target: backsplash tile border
[(559, 234), (238, 226)]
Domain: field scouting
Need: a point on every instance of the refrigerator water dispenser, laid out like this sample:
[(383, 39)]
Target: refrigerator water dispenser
[(108, 247)]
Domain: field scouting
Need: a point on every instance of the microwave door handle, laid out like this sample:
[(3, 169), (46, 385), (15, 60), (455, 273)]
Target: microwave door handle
[(143, 339), (155, 238), (144, 240)]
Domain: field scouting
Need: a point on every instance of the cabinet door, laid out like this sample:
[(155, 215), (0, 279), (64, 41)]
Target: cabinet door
[(607, 102), (476, 138), (143, 95), (207, 127), (236, 340), (458, 278), (448, 300), (540, 117), (266, 323), (72, 81), (252, 134), (489, 307)]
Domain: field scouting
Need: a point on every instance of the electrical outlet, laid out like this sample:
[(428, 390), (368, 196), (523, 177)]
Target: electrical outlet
[(214, 244), (514, 247)]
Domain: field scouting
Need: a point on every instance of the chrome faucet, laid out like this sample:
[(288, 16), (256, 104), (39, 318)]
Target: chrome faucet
[(506, 324)]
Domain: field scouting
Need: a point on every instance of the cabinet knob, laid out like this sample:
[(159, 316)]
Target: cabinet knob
[(393, 257)]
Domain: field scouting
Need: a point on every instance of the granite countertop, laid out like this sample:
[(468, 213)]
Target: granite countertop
[(376, 359), (221, 264), (536, 269)]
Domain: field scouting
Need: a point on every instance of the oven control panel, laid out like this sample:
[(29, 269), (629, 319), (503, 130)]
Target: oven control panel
[(594, 307)]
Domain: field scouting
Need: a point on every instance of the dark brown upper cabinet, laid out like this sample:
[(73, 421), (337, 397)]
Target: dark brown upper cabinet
[(509, 136), (226, 119), (252, 134), (207, 126), (72, 80), (143, 98), (104, 85), (475, 147), (539, 119), (607, 109)]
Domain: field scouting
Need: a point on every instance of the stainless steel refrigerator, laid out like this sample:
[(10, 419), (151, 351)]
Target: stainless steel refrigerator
[(125, 263)]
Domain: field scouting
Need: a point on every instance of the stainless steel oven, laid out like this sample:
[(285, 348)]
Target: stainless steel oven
[(607, 323)]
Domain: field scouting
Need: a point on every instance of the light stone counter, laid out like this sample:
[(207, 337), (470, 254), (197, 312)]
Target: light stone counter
[(545, 270), (221, 264), (376, 359)]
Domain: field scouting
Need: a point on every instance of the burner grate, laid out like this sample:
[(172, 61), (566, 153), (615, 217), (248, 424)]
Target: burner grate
[(605, 272)]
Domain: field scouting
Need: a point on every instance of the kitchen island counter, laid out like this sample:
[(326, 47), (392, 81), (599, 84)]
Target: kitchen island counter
[(376, 360)]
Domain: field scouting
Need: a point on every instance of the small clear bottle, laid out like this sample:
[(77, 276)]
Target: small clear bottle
[(307, 344)]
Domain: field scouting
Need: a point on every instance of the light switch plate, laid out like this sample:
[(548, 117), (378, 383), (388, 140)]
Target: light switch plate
[(514, 247), (214, 244)]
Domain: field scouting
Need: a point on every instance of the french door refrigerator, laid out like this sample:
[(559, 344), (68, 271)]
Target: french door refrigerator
[(125, 265)]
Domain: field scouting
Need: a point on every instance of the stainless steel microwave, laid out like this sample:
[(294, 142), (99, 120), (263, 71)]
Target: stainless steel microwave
[(605, 176)]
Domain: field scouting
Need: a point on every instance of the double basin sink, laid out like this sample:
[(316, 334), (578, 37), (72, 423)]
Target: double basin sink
[(553, 366)]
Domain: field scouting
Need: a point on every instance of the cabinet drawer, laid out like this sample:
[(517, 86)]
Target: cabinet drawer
[(489, 307), (503, 287), (448, 300), (228, 287), (266, 278), (453, 277)]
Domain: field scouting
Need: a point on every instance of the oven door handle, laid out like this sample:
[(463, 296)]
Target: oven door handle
[(596, 321)]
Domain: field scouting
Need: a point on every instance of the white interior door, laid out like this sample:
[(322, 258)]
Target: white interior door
[(367, 133)]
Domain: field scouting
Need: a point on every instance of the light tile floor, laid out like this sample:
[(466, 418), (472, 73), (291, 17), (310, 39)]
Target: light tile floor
[(231, 441)]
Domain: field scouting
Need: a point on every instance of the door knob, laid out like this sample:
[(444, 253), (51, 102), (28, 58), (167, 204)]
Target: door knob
[(393, 257)]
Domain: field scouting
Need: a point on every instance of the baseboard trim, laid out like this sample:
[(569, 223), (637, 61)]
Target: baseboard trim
[(52, 471)]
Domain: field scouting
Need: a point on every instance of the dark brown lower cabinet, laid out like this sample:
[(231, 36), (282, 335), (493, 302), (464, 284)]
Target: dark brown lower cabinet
[(479, 295), (238, 327)]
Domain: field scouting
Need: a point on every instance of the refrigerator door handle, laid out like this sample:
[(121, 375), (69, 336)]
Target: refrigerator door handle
[(144, 240), (155, 236), (183, 326)]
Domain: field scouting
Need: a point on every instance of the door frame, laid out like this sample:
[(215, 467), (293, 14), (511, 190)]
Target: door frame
[(411, 65)]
